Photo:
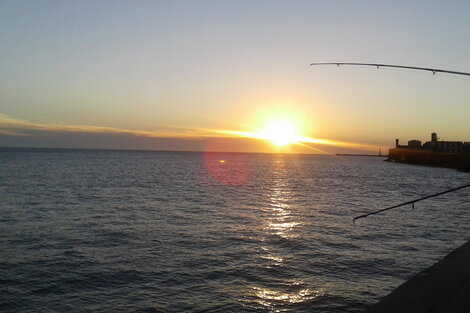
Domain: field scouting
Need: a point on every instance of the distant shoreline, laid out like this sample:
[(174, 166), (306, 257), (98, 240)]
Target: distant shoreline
[(368, 155), (179, 151)]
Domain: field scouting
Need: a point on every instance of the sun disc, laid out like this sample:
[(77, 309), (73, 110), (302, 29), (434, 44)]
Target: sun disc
[(280, 133)]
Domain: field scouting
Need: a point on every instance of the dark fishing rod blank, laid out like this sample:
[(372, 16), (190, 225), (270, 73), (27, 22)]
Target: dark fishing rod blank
[(378, 65), (412, 202)]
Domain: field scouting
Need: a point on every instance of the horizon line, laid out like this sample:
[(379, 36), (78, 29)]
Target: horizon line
[(184, 151)]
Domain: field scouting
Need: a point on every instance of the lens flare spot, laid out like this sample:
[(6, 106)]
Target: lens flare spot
[(224, 167)]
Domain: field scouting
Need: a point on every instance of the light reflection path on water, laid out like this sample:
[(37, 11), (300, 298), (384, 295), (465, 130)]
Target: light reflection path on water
[(100, 231), (279, 230)]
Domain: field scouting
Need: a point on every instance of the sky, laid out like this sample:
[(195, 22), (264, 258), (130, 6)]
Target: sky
[(211, 75)]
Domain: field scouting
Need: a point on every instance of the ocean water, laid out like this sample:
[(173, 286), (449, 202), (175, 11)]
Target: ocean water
[(128, 231)]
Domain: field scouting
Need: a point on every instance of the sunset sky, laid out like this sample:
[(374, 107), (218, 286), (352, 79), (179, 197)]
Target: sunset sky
[(199, 75)]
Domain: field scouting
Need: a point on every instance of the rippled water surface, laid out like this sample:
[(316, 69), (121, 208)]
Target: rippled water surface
[(103, 231)]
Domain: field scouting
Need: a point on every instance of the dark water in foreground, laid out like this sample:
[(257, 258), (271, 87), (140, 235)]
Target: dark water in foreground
[(108, 231)]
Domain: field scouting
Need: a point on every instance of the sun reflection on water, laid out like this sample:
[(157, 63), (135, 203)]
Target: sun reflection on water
[(269, 297), (281, 221), (272, 300), (282, 224)]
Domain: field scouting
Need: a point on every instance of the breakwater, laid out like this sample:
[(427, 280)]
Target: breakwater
[(460, 161), (443, 287)]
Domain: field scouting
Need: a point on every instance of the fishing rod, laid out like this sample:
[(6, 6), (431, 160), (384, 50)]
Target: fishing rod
[(428, 69), (412, 202), (433, 70)]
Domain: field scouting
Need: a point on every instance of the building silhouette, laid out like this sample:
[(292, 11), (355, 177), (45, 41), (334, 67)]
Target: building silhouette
[(436, 145)]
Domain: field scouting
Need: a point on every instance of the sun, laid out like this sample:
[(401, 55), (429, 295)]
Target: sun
[(280, 133)]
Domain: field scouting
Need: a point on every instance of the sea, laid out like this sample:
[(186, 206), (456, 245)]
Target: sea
[(146, 231)]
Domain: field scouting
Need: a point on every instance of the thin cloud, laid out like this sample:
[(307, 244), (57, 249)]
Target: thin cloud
[(8, 132), (11, 126), (17, 127)]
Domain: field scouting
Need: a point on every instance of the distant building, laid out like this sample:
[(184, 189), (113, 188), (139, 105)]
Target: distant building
[(436, 145), (449, 146), (414, 143), (443, 146), (466, 147), (453, 154)]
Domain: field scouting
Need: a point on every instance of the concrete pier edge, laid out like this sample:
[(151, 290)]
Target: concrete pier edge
[(444, 287)]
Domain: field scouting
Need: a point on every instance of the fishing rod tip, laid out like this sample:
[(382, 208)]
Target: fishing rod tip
[(358, 217)]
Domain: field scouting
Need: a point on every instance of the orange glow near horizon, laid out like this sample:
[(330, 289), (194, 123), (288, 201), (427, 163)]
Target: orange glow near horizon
[(283, 132), (286, 126)]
